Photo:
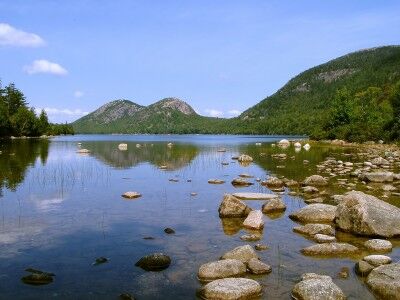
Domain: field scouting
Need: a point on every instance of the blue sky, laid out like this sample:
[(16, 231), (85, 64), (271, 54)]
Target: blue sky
[(221, 57)]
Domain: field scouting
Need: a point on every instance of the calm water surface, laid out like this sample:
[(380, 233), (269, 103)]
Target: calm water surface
[(59, 210)]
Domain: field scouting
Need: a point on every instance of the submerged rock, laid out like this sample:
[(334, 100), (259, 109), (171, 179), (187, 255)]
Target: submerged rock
[(314, 200), (378, 245), (231, 289), (377, 176), (363, 268), (100, 260), (221, 269), (241, 182), (330, 249), (255, 196), (242, 253), (126, 296), (323, 238), (254, 220), (274, 205), (313, 229), (315, 213), (364, 214), (216, 181), (154, 262), (273, 182), (131, 195), (384, 281), (257, 267), (37, 277), (261, 247), (169, 230), (251, 237), (231, 207), (317, 287)]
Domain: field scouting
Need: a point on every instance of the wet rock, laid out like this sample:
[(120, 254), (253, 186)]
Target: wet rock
[(273, 206), (364, 214), (241, 182), (231, 226), (315, 180), (377, 260), (126, 296), (314, 200), (231, 207), (273, 182), (384, 281), (363, 268), (131, 195), (254, 220), (245, 175), (337, 198), (317, 287), (37, 277), (291, 183), (330, 249), (245, 158), (315, 213), (310, 190), (231, 289), (154, 262), (344, 272), (313, 229), (380, 161), (257, 267), (261, 247), (216, 181), (377, 176), (221, 269), (255, 196), (100, 260), (323, 238), (169, 230), (378, 245), (242, 253), (251, 237)]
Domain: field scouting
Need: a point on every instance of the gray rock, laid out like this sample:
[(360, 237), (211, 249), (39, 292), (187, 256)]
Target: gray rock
[(384, 281), (231, 289), (377, 176), (242, 253), (255, 196), (221, 269), (380, 161), (315, 180), (154, 262), (363, 268), (363, 214), (273, 182), (330, 249), (378, 245), (377, 260), (241, 182), (261, 247), (231, 207), (254, 220), (315, 213), (317, 287), (323, 238), (251, 237), (274, 205), (313, 229), (310, 190), (257, 267), (314, 200), (245, 158)]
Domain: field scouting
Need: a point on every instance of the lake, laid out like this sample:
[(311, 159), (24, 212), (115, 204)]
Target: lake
[(60, 210)]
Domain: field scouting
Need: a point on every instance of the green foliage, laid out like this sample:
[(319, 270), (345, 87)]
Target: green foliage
[(17, 119)]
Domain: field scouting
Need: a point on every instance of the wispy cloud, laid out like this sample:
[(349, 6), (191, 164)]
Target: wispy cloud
[(214, 113), (234, 112), (45, 66), (65, 111), (78, 94), (10, 36)]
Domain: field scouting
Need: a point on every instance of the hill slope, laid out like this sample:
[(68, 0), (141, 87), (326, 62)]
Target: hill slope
[(304, 104)]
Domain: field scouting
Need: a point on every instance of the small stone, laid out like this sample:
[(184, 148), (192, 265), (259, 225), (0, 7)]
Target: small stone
[(274, 205), (241, 182), (377, 260), (221, 269), (254, 220), (344, 272), (322, 238), (154, 262), (261, 247), (314, 200), (131, 195), (378, 245), (242, 253), (257, 267), (169, 230), (363, 268), (255, 196), (313, 229), (250, 237), (216, 181), (100, 260)]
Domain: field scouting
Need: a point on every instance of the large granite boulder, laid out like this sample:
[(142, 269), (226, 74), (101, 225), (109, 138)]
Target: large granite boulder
[(364, 214), (315, 213), (231, 207), (221, 269), (384, 281), (317, 287), (231, 289)]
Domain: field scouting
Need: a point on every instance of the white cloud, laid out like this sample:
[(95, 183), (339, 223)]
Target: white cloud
[(45, 66), (78, 94), (68, 112), (10, 36), (214, 113), (234, 112)]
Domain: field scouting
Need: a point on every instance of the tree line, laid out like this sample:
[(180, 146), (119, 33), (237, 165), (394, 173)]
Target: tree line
[(18, 119)]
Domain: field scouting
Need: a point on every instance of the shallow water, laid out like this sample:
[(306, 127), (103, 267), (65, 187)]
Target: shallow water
[(60, 210)]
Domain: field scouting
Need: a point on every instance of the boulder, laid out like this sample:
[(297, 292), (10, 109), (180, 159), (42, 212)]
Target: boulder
[(241, 182), (315, 180), (380, 161), (315, 213), (255, 196), (313, 229), (384, 281), (310, 189), (330, 249), (254, 220), (251, 237), (257, 267), (377, 260), (314, 200), (231, 207), (364, 214), (323, 238), (274, 205), (273, 182), (216, 181), (154, 262), (231, 289), (378, 245), (317, 287), (291, 183), (363, 268), (284, 143), (245, 158), (242, 253), (377, 176), (221, 269)]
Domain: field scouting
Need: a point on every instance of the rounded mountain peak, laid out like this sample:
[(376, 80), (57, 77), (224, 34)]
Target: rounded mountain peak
[(177, 104)]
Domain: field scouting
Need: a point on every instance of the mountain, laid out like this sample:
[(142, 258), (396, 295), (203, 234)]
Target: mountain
[(353, 97), (304, 105)]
